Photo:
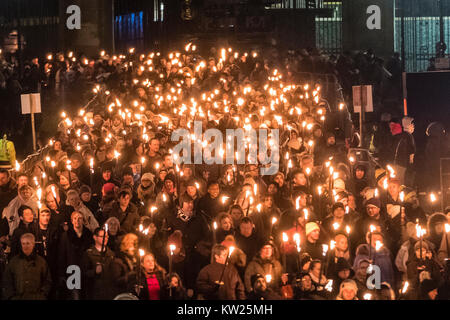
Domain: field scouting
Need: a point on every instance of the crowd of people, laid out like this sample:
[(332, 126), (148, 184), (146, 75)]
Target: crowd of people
[(109, 196)]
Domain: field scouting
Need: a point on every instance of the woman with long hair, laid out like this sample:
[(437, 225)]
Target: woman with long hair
[(152, 280), (124, 267)]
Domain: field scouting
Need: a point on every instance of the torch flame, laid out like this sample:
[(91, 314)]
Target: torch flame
[(405, 287), (433, 197)]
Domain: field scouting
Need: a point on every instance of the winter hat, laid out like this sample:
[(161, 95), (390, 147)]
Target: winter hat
[(305, 258), (329, 134), (85, 189), (310, 227), (380, 174), (349, 284), (435, 219), (339, 184), (255, 277), (268, 243), (396, 128), (410, 195), (425, 246), (44, 208), (337, 205), (358, 265), (76, 156), (109, 187), (407, 121), (368, 193), (126, 189), (229, 241), (342, 264), (107, 166), (373, 202), (147, 176), (170, 177)]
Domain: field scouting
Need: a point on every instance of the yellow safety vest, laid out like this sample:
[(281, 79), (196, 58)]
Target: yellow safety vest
[(7, 153)]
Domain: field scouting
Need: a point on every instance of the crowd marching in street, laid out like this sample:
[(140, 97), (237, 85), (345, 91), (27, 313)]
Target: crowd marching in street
[(109, 196)]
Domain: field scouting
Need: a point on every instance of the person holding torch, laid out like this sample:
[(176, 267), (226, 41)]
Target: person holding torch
[(220, 280), (96, 263)]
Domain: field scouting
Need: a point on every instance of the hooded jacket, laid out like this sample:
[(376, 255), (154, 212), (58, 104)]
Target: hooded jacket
[(383, 259), (433, 237), (10, 213)]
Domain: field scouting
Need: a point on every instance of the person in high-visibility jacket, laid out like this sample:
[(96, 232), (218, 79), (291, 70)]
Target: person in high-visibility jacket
[(7, 153)]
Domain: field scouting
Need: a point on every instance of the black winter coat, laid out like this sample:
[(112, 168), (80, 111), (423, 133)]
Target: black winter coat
[(232, 289), (97, 286)]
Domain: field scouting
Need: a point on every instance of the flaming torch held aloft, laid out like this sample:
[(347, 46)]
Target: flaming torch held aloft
[(214, 233), (172, 248), (230, 251), (274, 220), (91, 171)]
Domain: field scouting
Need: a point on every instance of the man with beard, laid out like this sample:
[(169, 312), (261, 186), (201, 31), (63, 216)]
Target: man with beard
[(260, 289)]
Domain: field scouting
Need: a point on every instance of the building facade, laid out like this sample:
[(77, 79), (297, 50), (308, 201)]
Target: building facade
[(330, 25)]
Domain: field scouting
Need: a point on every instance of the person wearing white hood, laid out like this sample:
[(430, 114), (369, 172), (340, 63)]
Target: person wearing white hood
[(73, 199), (26, 196)]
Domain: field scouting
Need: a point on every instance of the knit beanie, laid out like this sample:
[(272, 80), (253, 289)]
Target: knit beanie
[(109, 187), (147, 176), (373, 202), (343, 264), (85, 189), (337, 205), (229, 241), (170, 177), (255, 277), (339, 184), (380, 174), (310, 227)]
